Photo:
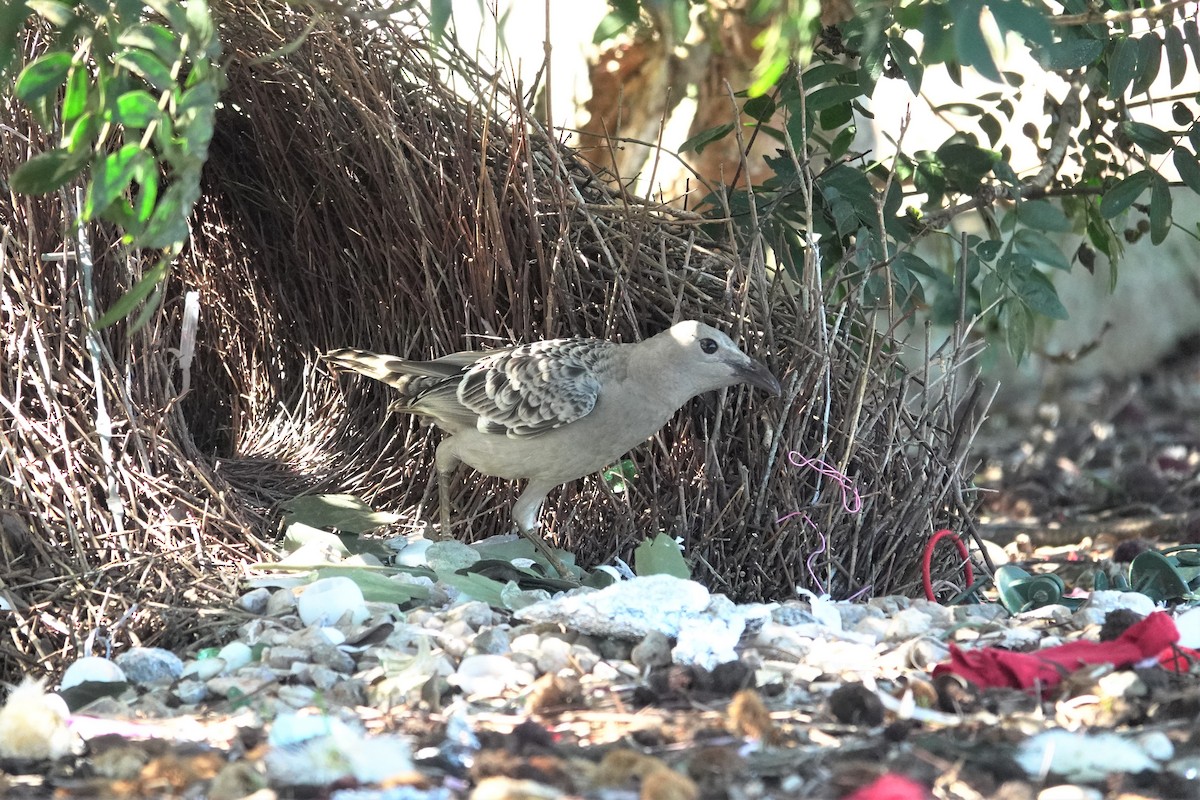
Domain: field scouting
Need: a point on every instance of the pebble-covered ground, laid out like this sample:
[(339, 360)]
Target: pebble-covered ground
[(650, 688)]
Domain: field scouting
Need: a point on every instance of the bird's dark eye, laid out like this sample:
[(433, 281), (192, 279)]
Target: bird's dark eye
[(708, 346)]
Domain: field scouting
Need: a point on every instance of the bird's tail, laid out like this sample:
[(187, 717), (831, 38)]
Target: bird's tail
[(397, 372)]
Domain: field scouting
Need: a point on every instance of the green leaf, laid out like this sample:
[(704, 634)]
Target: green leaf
[(194, 115), (1017, 324), (43, 77), (969, 40), (1036, 290), (343, 512), (660, 556), (829, 96), (376, 587), (988, 249), (842, 142), (145, 65), (906, 59), (200, 28), (1043, 215), (1101, 234), (152, 38), (1040, 247), (761, 108), (168, 224), (965, 165), (110, 178), (81, 138), (1147, 137), (12, 21), (1069, 54), (1160, 209), (1188, 168), (1026, 20), (440, 12), (1121, 196), (136, 109), (618, 476), (75, 101), (679, 13), (1176, 55), (129, 301), (1181, 114), (1191, 34), (172, 11), (1013, 267), (147, 195), (47, 172), (476, 586), (706, 137), (768, 73), (992, 128), (624, 14), (1149, 61), (60, 15), (836, 116), (963, 109), (909, 262), (823, 73), (1122, 66)]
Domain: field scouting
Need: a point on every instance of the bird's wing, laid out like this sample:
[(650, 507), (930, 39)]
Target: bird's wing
[(534, 388)]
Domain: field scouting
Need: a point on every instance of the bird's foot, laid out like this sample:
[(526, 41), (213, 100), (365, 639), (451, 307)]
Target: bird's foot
[(548, 553), (435, 532)]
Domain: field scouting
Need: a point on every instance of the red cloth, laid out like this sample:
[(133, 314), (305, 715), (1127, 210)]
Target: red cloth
[(1178, 659), (991, 666), (891, 787)]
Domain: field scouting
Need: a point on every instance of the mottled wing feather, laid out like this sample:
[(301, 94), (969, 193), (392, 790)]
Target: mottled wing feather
[(536, 387), (517, 391)]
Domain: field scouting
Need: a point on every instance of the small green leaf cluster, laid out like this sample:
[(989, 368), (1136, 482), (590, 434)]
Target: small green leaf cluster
[(128, 90)]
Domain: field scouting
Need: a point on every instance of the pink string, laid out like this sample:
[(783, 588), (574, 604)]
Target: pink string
[(851, 500), (851, 503)]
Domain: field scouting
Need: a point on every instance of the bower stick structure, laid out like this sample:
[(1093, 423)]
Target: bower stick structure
[(353, 197)]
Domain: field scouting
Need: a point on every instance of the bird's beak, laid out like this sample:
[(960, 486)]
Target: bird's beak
[(756, 374)]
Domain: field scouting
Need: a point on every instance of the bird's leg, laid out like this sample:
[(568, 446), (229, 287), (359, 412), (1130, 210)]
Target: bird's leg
[(525, 513), (443, 481), (445, 462)]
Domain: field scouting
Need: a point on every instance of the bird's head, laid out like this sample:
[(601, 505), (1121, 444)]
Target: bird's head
[(709, 359)]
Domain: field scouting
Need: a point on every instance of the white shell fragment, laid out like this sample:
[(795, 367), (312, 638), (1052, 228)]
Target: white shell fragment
[(326, 600), (91, 668)]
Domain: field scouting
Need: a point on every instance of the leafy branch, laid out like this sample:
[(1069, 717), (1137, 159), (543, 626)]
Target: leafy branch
[(129, 91)]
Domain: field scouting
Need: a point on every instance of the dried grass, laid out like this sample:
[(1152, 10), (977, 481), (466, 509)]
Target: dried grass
[(352, 199)]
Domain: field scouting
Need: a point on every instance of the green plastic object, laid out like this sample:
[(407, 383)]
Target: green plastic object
[(1020, 591), (1164, 576)]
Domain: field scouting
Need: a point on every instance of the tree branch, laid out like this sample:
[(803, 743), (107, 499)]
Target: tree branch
[(1106, 17)]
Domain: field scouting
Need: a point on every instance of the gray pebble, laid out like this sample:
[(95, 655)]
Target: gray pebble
[(143, 665), (255, 601), (614, 649), (554, 655), (492, 642), (652, 651)]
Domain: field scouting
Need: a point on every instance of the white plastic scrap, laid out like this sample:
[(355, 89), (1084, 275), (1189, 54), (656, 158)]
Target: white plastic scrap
[(316, 750), (1084, 757)]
